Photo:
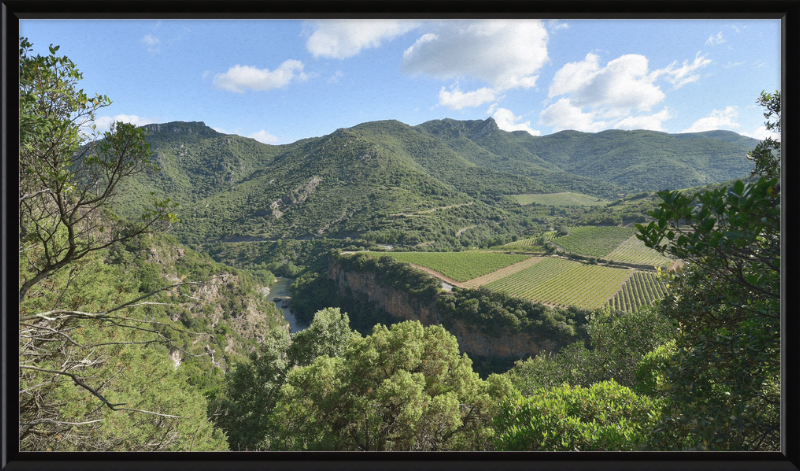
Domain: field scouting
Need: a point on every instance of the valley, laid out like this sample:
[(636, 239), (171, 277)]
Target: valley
[(548, 220)]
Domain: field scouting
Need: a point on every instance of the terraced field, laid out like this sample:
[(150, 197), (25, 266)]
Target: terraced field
[(633, 250), (460, 266), (561, 282), (642, 289), (598, 241)]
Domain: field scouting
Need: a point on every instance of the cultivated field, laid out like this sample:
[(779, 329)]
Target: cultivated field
[(530, 241), (597, 241), (642, 289), (560, 199), (561, 282), (502, 273), (460, 266), (633, 250)]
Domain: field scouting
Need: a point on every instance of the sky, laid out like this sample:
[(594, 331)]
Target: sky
[(278, 81)]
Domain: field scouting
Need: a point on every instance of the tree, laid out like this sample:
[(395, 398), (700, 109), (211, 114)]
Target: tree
[(252, 388), (602, 417), (404, 388), (617, 343), (67, 182), (329, 334), (250, 393), (723, 380)]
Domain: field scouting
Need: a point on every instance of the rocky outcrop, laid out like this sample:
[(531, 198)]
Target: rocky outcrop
[(471, 339), (296, 196)]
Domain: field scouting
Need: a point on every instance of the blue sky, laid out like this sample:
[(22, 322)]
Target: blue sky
[(283, 80)]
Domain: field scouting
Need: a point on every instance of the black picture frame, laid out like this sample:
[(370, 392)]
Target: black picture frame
[(786, 10)]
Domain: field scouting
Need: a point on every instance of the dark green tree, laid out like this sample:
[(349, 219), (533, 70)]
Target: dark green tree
[(723, 380), (404, 388)]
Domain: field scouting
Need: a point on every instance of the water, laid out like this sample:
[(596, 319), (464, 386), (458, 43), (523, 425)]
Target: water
[(280, 289)]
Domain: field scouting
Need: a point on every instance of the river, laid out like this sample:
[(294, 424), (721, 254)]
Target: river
[(280, 289)]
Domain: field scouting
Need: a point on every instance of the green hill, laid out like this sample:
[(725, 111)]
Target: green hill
[(394, 183), (645, 160)]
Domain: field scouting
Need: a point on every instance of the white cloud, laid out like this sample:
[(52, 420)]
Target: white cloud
[(762, 133), (508, 122), (103, 123), (595, 97), (491, 108), (264, 136), (457, 100), (335, 77), (733, 64), (714, 40), (623, 84), (682, 76), (564, 115), (505, 54), (340, 39), (152, 42), (653, 122), (718, 119), (240, 78)]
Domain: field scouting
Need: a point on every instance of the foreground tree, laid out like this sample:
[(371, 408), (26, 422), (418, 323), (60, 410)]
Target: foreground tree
[(602, 417), (252, 388), (617, 343), (404, 388), (723, 379), (67, 177), (87, 379)]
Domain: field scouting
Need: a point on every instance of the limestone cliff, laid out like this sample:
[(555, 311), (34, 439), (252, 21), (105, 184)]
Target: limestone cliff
[(471, 339)]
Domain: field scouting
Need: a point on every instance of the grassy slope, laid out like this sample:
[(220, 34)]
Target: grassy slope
[(560, 199)]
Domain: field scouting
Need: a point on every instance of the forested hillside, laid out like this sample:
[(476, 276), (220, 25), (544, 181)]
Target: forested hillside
[(381, 177)]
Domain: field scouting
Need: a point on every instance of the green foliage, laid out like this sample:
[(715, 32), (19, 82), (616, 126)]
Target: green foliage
[(392, 274), (602, 417), (494, 312), (617, 343), (404, 388), (650, 379), (768, 164), (251, 391), (726, 302), (329, 334)]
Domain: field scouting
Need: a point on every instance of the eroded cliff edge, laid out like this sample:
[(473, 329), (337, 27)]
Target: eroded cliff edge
[(503, 343)]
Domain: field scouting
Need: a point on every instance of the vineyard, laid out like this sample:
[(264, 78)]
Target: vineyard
[(633, 250), (642, 289), (530, 242), (598, 241), (460, 266), (564, 283)]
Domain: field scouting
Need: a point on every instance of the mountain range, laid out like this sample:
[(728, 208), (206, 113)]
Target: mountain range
[(387, 177)]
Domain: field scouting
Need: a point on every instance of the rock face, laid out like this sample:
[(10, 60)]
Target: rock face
[(470, 338)]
